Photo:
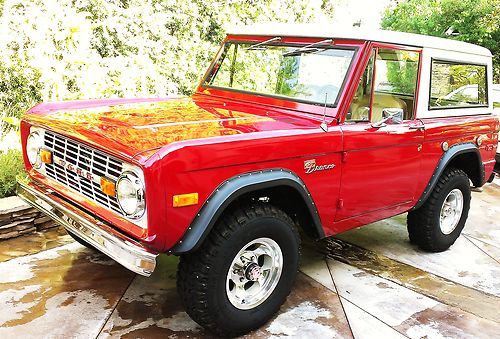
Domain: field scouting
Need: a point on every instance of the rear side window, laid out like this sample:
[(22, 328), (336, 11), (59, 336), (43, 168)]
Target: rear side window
[(455, 84)]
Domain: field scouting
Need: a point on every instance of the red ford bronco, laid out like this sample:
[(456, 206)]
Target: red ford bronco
[(291, 127)]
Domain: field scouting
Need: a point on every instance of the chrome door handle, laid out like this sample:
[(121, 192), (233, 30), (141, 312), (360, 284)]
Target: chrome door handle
[(418, 127)]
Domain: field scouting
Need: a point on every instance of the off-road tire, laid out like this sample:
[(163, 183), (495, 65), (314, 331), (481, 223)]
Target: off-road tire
[(201, 276), (424, 223), (81, 241)]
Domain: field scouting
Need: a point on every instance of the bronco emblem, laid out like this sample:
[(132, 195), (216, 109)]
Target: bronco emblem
[(310, 166)]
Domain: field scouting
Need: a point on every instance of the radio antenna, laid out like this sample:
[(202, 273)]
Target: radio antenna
[(323, 125)]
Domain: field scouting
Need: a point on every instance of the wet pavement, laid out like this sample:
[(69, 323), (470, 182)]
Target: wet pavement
[(368, 282)]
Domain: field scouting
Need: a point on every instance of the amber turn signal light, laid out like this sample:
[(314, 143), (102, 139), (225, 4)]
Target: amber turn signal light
[(108, 186), (185, 199), (46, 156)]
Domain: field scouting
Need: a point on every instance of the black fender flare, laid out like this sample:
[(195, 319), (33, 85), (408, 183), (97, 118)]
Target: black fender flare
[(446, 158), (230, 190)]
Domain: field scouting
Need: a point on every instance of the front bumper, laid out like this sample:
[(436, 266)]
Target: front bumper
[(126, 251)]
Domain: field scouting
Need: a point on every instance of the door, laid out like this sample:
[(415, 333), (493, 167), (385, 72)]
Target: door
[(382, 138)]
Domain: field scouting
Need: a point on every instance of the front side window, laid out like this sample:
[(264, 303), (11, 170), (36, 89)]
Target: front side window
[(314, 74), (457, 85), (395, 83), (387, 87), (359, 110)]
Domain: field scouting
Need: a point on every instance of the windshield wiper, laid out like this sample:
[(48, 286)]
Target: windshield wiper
[(308, 48), (254, 46)]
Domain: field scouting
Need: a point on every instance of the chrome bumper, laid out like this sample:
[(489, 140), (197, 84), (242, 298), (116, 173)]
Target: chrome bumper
[(119, 247)]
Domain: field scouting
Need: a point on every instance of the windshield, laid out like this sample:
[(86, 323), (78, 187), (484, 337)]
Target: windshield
[(313, 74)]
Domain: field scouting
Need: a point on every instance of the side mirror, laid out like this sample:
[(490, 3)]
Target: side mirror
[(390, 115)]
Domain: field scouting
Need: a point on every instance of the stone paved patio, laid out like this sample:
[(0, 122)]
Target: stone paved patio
[(366, 283)]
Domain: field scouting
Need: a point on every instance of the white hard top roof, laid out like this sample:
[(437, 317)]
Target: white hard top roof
[(330, 31)]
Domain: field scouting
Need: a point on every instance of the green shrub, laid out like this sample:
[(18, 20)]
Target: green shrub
[(20, 89), (11, 165)]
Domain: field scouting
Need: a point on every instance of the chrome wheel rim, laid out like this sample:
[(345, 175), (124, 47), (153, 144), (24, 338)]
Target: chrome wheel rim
[(451, 211), (254, 273)]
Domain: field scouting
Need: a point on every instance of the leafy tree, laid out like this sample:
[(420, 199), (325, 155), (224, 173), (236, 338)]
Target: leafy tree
[(20, 88), (287, 83), (125, 48), (402, 74), (474, 21)]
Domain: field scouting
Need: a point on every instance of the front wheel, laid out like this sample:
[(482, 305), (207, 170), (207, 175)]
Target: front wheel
[(437, 224), (80, 240), (243, 272)]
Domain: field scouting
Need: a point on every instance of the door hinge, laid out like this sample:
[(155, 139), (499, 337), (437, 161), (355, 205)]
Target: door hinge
[(344, 156), (340, 203)]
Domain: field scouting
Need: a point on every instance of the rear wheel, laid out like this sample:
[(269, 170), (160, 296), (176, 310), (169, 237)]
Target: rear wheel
[(243, 272), (437, 224)]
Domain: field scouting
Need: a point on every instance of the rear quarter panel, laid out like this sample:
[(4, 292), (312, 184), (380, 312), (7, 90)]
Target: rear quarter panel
[(457, 130), (454, 125)]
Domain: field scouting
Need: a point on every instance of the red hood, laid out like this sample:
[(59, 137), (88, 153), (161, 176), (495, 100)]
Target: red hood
[(128, 127)]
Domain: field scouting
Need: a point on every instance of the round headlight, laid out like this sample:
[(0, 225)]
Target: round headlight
[(33, 146), (130, 195)]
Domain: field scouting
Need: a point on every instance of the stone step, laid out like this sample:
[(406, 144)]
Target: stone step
[(12, 204), (20, 224), (17, 233)]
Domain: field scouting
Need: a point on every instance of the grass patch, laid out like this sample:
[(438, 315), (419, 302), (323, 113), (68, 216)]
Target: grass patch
[(11, 166)]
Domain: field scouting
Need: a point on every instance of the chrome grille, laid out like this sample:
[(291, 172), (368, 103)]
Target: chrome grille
[(87, 159)]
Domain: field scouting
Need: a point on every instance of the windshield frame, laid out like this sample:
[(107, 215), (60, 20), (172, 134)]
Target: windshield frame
[(283, 42)]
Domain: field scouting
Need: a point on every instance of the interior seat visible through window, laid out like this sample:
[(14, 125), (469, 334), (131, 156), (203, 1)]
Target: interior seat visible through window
[(391, 75)]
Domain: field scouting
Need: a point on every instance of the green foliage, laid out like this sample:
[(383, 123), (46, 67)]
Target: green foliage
[(288, 70), (11, 165), (123, 48), (403, 77), (20, 88), (252, 70), (402, 74), (457, 84), (475, 21), (14, 121)]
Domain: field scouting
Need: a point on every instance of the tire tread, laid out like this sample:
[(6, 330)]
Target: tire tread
[(421, 225), (193, 290)]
